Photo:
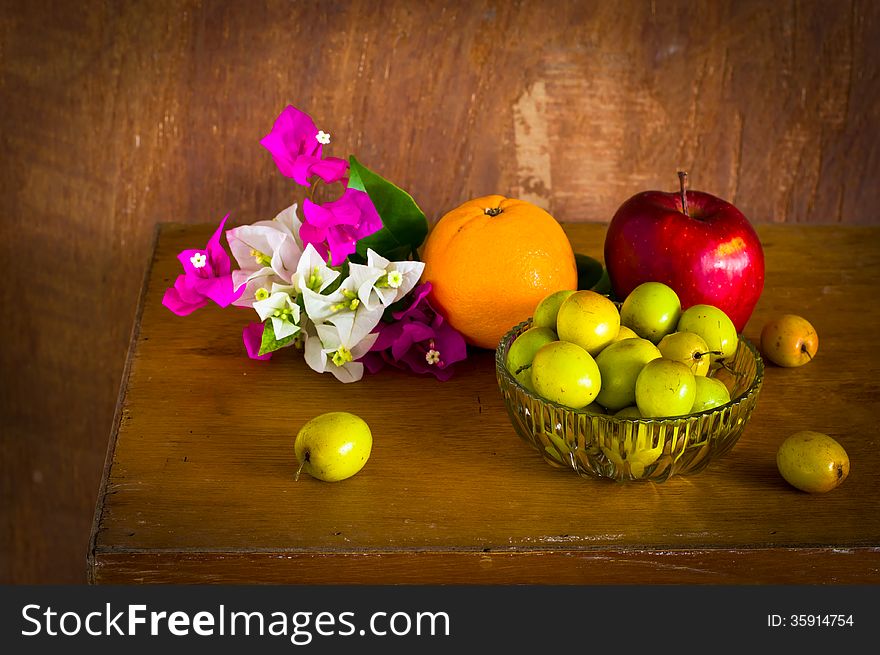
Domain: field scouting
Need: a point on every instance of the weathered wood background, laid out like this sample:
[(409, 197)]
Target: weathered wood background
[(117, 115)]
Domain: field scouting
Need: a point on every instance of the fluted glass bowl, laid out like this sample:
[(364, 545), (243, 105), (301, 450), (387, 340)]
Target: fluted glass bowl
[(625, 449)]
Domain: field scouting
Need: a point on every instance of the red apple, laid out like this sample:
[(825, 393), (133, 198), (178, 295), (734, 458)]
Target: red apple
[(700, 245)]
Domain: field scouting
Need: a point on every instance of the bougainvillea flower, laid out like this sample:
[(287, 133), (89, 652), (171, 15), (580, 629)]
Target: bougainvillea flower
[(252, 335), (256, 285), (329, 169), (419, 340), (266, 252), (297, 148), (206, 276), (396, 280), (336, 226), (329, 348), (266, 236), (281, 309), (312, 272), (342, 302)]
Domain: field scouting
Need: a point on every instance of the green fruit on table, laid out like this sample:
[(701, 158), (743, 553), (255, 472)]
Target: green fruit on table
[(688, 348), (548, 308), (594, 408), (789, 340), (589, 320), (714, 326), (711, 393), (624, 333), (619, 365), (333, 446), (651, 310), (565, 373), (812, 461), (522, 352), (665, 388)]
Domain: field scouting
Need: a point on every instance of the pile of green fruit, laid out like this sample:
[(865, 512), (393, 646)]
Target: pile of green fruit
[(647, 359)]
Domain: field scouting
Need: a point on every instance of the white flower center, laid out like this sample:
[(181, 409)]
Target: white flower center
[(432, 356), (199, 260), (323, 137), (395, 279), (342, 356)]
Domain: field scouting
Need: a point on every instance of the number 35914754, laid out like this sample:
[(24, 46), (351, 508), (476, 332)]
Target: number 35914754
[(810, 620)]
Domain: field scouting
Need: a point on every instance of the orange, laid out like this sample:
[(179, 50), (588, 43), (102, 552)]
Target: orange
[(491, 261)]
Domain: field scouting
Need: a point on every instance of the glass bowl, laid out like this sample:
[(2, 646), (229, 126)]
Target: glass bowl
[(625, 449)]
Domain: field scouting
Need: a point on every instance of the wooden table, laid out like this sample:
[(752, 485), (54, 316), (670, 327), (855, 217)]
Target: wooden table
[(199, 481)]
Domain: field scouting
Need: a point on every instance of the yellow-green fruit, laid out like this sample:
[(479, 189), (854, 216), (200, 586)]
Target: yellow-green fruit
[(651, 309), (812, 462), (624, 333), (665, 387), (589, 320), (548, 308), (594, 408), (714, 326), (687, 347), (565, 373), (333, 446), (710, 393), (628, 412), (619, 365), (522, 352)]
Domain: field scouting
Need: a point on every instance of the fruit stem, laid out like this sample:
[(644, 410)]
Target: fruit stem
[(301, 466), (727, 367), (806, 351), (683, 184), (708, 352), (493, 211)]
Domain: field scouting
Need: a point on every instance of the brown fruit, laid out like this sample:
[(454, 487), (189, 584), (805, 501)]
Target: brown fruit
[(789, 340)]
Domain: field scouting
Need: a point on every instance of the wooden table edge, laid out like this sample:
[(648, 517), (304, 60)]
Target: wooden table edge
[(117, 415), (729, 566)]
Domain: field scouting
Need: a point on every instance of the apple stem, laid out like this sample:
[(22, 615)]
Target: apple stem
[(708, 352), (683, 183), (806, 351)]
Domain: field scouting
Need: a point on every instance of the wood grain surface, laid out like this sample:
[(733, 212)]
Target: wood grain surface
[(200, 481), (118, 115)]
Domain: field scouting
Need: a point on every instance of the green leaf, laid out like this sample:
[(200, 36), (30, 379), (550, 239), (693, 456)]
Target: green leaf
[(270, 343), (589, 271), (603, 286), (404, 226), (343, 269), (592, 275)]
